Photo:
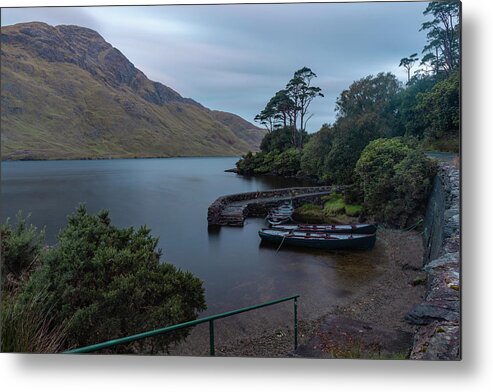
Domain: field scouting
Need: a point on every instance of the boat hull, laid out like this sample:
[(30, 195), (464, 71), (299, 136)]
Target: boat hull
[(356, 229), (277, 221), (358, 242), (280, 215)]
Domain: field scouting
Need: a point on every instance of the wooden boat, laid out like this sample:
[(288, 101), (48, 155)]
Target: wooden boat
[(319, 240), (362, 228), (281, 214), (278, 220)]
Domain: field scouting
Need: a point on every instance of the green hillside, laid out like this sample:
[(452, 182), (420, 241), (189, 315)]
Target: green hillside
[(241, 128), (66, 93)]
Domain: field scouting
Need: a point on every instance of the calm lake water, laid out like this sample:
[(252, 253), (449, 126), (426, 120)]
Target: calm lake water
[(171, 196)]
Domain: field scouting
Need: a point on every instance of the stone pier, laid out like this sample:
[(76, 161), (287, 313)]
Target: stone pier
[(232, 210)]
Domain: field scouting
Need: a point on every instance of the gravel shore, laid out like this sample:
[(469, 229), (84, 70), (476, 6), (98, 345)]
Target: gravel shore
[(398, 286)]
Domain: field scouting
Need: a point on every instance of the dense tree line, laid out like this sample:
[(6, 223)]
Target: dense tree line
[(424, 114)]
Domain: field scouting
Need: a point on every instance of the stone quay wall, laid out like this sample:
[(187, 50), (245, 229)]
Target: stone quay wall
[(438, 316), (258, 204)]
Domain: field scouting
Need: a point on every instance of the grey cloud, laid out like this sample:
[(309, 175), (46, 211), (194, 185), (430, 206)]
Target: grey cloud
[(235, 57), (51, 15)]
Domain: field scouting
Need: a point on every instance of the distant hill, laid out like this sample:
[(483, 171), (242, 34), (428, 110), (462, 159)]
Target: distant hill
[(66, 93), (240, 127)]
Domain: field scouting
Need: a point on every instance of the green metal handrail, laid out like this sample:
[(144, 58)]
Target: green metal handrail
[(209, 319)]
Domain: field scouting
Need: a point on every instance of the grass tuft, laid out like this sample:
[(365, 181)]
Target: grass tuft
[(27, 327)]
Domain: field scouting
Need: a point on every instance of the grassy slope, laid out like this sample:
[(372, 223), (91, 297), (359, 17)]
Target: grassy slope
[(53, 109), (241, 128), (334, 211)]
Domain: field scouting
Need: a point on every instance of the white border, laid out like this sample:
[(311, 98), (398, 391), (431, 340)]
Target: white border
[(72, 373)]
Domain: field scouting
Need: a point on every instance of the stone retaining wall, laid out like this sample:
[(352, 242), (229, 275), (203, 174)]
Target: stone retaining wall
[(283, 192), (439, 314)]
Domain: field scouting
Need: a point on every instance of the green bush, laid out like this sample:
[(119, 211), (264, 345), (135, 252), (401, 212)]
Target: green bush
[(395, 180), (22, 244), (353, 209), (441, 108), (278, 140), (315, 152), (351, 136), (25, 325), (286, 163), (105, 282), (410, 116)]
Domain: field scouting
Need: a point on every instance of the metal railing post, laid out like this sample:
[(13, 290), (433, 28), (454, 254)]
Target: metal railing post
[(211, 338), (295, 323)]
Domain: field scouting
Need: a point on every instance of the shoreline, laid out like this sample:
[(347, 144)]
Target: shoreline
[(439, 155), (383, 304), (118, 158), (315, 181)]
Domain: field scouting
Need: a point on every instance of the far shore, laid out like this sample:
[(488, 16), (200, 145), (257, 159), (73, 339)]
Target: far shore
[(440, 155), (115, 158)]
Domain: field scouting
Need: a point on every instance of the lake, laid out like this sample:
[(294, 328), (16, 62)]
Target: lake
[(171, 196)]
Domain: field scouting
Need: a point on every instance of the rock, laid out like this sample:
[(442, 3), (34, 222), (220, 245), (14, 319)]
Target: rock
[(437, 341), (452, 245), (450, 213), (447, 259), (430, 311), (341, 337), (444, 286)]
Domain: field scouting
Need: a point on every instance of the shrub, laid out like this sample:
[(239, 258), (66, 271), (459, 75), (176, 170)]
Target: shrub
[(351, 136), (105, 283), (353, 209), (25, 325), (21, 247), (286, 163), (441, 108), (410, 117), (315, 152), (395, 179), (278, 140)]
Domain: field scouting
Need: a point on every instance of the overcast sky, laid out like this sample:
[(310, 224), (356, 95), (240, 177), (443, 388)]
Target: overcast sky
[(235, 57)]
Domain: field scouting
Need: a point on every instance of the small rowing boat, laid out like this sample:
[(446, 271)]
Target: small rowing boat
[(362, 228), (281, 214), (319, 240), (275, 220)]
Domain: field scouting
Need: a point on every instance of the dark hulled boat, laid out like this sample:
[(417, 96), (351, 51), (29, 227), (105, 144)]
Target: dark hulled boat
[(362, 228), (348, 241)]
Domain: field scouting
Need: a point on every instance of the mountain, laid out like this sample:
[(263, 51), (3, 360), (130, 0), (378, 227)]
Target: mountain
[(240, 127), (66, 93)]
